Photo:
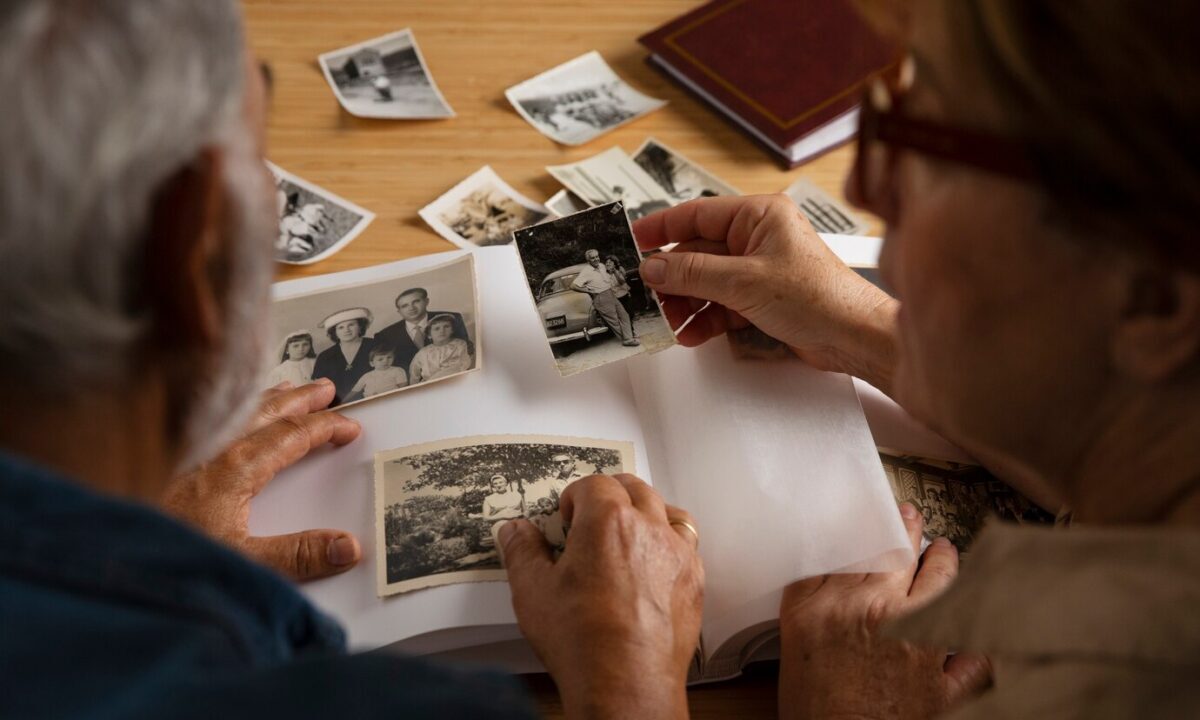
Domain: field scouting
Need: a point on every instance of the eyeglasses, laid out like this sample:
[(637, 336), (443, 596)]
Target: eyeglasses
[(883, 129)]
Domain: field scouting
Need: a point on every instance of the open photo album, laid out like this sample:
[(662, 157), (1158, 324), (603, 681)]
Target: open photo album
[(775, 460)]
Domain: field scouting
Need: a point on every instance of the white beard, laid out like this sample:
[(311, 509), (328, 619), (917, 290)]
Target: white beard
[(223, 402)]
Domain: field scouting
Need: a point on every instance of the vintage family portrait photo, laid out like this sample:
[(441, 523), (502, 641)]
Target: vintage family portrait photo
[(826, 214), (682, 179), (583, 273), (313, 222), (613, 176), (956, 499), (439, 506), (482, 210), (381, 337), (579, 100), (385, 78)]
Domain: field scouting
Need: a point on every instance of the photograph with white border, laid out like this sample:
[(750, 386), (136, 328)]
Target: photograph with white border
[(564, 203), (440, 505), (381, 337), (584, 275), (683, 179), (827, 214), (579, 100), (613, 176), (385, 77), (481, 211), (313, 222)]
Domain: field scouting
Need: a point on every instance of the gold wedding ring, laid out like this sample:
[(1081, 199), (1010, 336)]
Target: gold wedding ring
[(687, 526)]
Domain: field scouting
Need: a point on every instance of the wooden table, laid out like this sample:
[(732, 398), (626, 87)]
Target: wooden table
[(475, 51)]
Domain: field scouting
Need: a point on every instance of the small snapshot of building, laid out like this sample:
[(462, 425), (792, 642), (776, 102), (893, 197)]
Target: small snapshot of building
[(366, 63)]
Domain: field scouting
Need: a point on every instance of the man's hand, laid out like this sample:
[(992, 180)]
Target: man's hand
[(835, 664), (216, 496), (758, 261), (616, 619)]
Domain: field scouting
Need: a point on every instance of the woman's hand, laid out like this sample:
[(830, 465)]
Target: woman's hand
[(616, 619), (759, 262), (216, 496), (834, 662)]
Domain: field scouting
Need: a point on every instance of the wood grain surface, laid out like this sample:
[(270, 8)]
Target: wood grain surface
[(476, 50)]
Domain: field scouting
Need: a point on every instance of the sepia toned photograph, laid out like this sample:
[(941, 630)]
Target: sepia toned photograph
[(481, 211), (564, 203), (385, 78), (956, 499), (313, 222), (826, 214), (381, 337), (579, 100), (613, 176), (439, 506), (583, 273), (682, 179)]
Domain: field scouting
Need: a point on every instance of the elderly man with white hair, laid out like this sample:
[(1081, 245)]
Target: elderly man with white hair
[(136, 247)]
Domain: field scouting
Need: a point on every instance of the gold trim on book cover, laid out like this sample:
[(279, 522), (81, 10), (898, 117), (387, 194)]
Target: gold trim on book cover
[(670, 41)]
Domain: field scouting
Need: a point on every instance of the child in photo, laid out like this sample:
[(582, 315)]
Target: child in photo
[(446, 355), (296, 361), (546, 517), (382, 378)]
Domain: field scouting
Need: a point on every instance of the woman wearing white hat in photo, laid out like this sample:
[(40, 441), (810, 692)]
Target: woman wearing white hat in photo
[(349, 358), (296, 360)]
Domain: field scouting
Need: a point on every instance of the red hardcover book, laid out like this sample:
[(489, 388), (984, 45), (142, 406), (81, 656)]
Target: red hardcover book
[(790, 72)]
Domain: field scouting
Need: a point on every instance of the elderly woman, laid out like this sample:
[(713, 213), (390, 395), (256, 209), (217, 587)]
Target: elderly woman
[(1037, 169), (349, 358)]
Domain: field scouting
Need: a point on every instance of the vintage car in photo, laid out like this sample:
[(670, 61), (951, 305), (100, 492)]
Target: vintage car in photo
[(565, 312)]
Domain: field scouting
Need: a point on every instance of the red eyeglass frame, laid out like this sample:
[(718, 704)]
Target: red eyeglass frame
[(890, 127)]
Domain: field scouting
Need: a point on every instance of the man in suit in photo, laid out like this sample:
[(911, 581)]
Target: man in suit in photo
[(411, 333)]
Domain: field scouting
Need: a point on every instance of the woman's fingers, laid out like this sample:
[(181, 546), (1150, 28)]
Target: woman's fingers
[(706, 219)]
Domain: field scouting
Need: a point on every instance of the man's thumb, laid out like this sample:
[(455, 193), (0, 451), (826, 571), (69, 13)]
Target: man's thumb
[(967, 675), (696, 275), (307, 555), (525, 554)]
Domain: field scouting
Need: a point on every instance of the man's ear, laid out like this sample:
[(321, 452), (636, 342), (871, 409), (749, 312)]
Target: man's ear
[(1159, 334), (186, 229)]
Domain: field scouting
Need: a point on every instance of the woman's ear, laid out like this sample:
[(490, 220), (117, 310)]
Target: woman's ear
[(185, 238), (1159, 333)]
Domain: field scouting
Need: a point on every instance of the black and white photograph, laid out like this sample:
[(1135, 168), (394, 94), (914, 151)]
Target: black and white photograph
[(579, 100), (313, 222), (956, 499), (482, 210), (381, 337), (826, 214), (564, 203), (386, 77), (613, 176), (682, 179), (583, 274), (439, 506)]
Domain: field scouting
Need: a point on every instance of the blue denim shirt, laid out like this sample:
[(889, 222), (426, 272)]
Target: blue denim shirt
[(109, 609)]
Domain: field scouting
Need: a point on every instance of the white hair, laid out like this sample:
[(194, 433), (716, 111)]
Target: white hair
[(105, 101)]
